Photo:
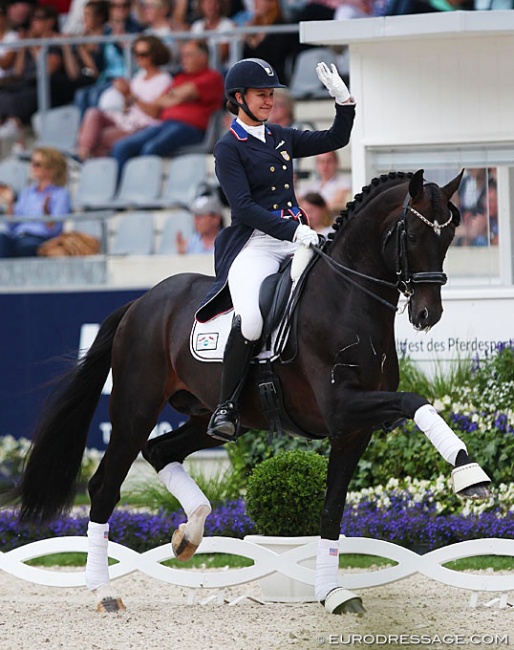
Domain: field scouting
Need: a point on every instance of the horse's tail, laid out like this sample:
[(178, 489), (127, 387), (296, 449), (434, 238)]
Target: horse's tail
[(48, 482)]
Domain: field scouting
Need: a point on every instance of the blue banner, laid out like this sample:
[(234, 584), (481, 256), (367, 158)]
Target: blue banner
[(41, 334)]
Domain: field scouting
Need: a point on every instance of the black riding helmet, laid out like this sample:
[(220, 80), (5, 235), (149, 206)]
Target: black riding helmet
[(249, 73)]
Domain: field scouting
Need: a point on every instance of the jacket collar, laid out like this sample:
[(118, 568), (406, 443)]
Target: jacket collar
[(240, 133)]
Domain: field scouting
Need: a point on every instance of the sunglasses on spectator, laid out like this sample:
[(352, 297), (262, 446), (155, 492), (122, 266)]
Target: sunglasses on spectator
[(36, 163), (39, 17), (141, 53)]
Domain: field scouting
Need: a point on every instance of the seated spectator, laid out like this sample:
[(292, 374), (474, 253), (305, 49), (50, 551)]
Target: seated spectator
[(48, 195), (273, 48), (185, 108), (208, 218), (212, 19), (492, 203), (7, 55), (101, 129), (84, 63), (333, 186), (318, 212), (114, 64), (154, 17), (282, 112), (472, 200), (355, 9), (19, 14), (18, 99)]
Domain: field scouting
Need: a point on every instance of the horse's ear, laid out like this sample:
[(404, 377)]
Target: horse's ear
[(452, 186), (416, 185)]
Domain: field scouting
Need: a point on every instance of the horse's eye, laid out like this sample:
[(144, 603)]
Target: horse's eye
[(411, 237)]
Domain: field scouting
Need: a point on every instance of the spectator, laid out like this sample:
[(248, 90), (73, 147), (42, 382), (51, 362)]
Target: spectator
[(318, 212), (19, 14), (212, 19), (273, 48), (114, 66), (195, 93), (492, 203), (472, 198), (333, 186), (7, 55), (282, 112), (84, 63), (208, 218), (47, 196), (183, 14), (101, 129), (154, 16), (18, 100), (355, 9)]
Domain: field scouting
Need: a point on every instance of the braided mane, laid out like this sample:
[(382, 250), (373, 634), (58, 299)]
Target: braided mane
[(367, 193)]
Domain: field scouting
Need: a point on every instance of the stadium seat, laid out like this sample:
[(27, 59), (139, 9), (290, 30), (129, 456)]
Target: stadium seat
[(134, 234), (179, 221), (96, 184)]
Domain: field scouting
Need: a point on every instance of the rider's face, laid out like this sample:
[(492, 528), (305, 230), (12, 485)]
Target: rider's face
[(259, 101)]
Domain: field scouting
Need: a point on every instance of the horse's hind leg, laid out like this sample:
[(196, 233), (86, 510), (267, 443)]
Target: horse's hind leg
[(166, 454), (131, 425)]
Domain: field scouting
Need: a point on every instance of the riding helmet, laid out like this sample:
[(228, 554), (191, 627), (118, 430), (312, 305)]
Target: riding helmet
[(250, 73)]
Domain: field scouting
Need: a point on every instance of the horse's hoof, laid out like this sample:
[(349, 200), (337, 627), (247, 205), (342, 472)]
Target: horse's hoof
[(478, 492), (342, 601), (110, 605), (182, 548), (470, 482)]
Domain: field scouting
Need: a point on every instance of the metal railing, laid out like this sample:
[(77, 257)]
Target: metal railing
[(234, 37)]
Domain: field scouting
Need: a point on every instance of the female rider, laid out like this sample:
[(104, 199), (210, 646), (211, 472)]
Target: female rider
[(254, 165)]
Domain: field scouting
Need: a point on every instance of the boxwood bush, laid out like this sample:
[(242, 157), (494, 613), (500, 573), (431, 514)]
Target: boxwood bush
[(285, 493)]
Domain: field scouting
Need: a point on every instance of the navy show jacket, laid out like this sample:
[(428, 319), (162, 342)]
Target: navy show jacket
[(258, 180)]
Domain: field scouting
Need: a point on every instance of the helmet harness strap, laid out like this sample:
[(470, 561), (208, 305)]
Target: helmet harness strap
[(245, 107)]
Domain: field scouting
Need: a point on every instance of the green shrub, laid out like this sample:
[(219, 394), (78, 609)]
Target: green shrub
[(285, 493)]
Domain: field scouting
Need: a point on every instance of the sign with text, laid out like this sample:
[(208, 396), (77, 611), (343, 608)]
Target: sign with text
[(469, 328), (42, 335)]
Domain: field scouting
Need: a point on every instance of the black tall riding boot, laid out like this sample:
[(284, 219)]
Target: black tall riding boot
[(224, 423)]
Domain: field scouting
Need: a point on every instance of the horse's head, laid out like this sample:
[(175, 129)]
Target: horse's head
[(424, 232)]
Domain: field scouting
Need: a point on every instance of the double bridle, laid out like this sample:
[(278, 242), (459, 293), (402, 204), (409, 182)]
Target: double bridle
[(404, 278)]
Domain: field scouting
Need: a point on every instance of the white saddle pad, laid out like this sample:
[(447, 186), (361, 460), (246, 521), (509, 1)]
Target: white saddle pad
[(208, 340)]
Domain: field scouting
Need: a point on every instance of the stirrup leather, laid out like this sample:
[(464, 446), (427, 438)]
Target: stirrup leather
[(224, 423)]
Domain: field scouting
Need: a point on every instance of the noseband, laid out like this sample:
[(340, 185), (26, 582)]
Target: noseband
[(405, 279)]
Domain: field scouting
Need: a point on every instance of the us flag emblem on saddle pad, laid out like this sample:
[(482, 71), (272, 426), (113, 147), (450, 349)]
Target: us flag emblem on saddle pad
[(207, 341)]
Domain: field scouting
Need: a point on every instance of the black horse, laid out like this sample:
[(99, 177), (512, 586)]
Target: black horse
[(391, 239)]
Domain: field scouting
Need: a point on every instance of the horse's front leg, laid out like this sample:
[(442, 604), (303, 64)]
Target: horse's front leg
[(384, 410), (345, 453)]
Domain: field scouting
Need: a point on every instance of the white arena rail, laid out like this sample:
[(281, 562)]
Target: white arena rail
[(267, 562)]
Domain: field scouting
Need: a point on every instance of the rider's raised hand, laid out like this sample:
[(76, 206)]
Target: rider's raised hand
[(306, 236), (331, 79)]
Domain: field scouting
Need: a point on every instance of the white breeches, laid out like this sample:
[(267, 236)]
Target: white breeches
[(260, 257)]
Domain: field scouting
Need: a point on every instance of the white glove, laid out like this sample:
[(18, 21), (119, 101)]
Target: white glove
[(331, 79), (306, 235)]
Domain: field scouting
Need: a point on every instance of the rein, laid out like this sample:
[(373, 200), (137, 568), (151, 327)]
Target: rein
[(402, 270)]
